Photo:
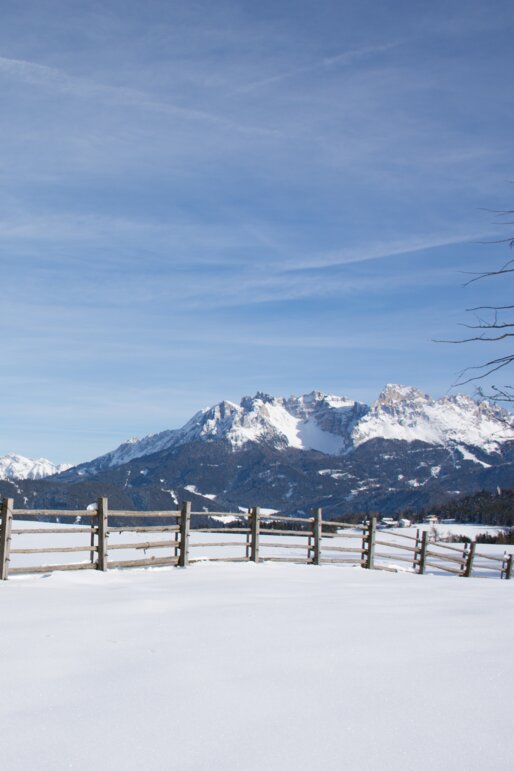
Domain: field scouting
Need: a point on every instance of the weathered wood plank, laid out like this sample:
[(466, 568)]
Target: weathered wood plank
[(145, 514), (143, 563), (489, 556), (391, 545), (209, 544), (54, 550), (148, 529), (278, 545), (294, 560), (275, 518), (144, 545), (52, 568), (344, 525), (396, 534), (341, 561), (349, 549), (218, 559), (238, 514), (228, 530), (20, 513), (43, 530), (440, 545), (292, 533)]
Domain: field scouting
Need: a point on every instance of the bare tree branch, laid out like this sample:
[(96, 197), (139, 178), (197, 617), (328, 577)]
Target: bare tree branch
[(481, 371), (495, 325), (490, 367), (490, 308)]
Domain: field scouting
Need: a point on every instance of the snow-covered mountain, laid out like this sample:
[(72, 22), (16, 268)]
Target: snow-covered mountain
[(405, 413), (14, 466), (405, 451), (333, 425), (314, 421)]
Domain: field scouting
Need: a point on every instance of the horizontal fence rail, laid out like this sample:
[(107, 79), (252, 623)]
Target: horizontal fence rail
[(253, 537)]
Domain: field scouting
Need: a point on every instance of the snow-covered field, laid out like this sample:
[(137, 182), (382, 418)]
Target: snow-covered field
[(239, 667)]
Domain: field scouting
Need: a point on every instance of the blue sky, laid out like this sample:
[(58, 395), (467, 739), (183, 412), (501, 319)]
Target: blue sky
[(201, 200)]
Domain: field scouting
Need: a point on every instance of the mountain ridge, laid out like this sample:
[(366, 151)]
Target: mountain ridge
[(406, 450), (330, 424), (14, 466)]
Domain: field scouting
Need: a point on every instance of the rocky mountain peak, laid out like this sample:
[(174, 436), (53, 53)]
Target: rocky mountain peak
[(14, 466), (394, 395)]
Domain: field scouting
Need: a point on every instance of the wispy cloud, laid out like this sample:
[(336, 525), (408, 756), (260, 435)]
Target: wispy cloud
[(55, 79), (345, 58), (383, 250)]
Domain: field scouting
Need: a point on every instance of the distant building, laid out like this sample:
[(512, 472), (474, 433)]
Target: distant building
[(388, 522)]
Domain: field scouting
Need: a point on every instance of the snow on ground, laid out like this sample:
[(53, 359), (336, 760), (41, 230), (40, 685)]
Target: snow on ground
[(444, 530), (244, 667), (194, 489)]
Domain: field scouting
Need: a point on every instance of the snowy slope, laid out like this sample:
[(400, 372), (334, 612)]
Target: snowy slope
[(14, 466), (244, 667), (406, 413)]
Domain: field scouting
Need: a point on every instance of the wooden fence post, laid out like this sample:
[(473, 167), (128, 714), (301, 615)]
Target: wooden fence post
[(364, 545), (469, 560), (5, 537), (368, 543), (185, 526), (507, 567), (103, 524), (317, 533), (255, 525), (423, 552), (417, 547), (248, 535), (176, 542)]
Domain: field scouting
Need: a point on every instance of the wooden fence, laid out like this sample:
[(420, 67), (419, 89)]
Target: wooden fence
[(313, 537)]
